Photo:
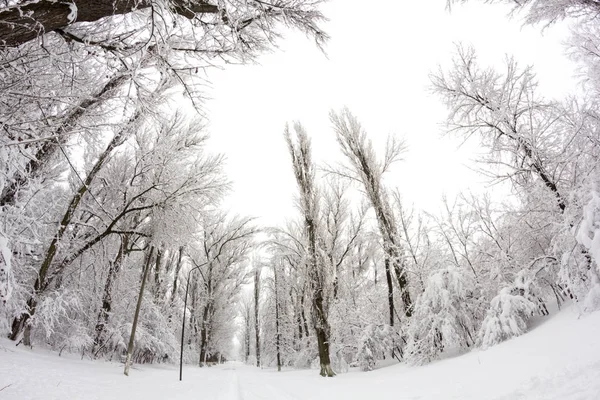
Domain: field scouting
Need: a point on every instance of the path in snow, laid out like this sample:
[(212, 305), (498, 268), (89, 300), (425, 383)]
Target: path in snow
[(558, 360)]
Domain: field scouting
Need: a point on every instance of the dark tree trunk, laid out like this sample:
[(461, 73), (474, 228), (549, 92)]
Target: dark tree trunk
[(247, 333), (103, 315), (21, 324), (320, 322), (193, 323), (304, 320), (277, 333), (204, 333), (19, 25), (256, 321), (390, 286), (323, 333)]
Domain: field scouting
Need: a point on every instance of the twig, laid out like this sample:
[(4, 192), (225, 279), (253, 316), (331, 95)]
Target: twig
[(10, 384)]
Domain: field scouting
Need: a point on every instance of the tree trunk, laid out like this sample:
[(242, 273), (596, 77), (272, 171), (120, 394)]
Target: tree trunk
[(304, 320), (193, 324), (320, 322), (277, 333), (175, 281), (157, 266), (137, 313), (22, 23), (113, 270), (390, 286), (21, 324), (247, 333), (176, 275), (204, 334), (256, 321), (323, 332)]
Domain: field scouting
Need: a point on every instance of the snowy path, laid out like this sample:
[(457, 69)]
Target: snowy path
[(558, 360)]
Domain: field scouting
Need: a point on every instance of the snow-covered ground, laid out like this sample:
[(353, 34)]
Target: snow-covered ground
[(558, 359)]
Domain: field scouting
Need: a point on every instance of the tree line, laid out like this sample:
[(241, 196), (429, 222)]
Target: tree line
[(110, 200)]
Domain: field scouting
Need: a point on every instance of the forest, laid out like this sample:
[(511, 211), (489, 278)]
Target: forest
[(115, 244)]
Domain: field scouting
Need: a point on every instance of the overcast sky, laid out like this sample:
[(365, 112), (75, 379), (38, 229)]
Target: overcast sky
[(377, 63)]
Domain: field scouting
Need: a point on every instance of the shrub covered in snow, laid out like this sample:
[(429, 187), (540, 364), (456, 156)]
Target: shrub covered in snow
[(509, 312), (588, 235), (374, 343), (442, 317)]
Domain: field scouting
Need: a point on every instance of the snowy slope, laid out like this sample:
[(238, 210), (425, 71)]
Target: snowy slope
[(559, 359)]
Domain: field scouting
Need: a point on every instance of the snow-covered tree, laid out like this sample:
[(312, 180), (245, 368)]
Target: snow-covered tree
[(304, 172), (366, 168)]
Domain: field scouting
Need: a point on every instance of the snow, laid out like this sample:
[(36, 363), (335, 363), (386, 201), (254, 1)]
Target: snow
[(558, 359), (72, 13)]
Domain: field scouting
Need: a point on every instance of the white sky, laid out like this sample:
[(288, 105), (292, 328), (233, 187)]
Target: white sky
[(377, 63)]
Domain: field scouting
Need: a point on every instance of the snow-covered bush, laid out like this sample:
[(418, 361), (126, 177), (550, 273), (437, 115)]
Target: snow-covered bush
[(588, 235), (509, 312), (59, 321), (374, 342), (442, 319)]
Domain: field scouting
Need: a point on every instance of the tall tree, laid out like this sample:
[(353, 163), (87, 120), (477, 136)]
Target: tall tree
[(304, 171), (256, 312), (369, 171)]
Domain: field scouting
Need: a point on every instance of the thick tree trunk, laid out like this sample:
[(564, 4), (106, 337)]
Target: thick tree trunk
[(22, 23), (21, 324), (204, 334), (137, 313), (320, 322), (323, 332)]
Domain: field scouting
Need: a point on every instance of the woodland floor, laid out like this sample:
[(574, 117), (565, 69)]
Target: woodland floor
[(558, 359)]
